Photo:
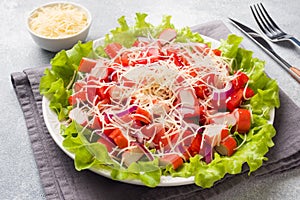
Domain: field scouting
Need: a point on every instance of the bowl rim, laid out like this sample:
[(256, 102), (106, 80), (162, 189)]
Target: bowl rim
[(89, 20)]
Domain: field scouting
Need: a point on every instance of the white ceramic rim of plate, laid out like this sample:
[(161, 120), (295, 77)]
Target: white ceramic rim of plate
[(53, 125)]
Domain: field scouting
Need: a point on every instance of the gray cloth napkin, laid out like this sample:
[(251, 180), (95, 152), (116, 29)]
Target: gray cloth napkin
[(61, 181)]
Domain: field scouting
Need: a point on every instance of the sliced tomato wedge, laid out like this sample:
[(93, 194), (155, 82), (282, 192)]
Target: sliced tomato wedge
[(149, 55), (201, 90), (173, 53), (249, 93), (160, 139), (217, 52), (103, 92), (142, 115), (195, 145), (240, 81), (108, 129), (234, 100), (125, 59), (118, 137)]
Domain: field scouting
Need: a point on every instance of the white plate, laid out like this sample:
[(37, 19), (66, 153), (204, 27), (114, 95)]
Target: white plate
[(53, 126)]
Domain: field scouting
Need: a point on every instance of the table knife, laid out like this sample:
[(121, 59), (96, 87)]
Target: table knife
[(260, 41)]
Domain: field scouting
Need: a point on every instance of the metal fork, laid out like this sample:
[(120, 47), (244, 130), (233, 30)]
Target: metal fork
[(269, 27)]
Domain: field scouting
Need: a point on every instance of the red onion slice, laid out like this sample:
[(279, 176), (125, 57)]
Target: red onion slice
[(139, 137), (147, 153), (127, 111), (223, 93), (220, 96), (207, 152), (208, 155)]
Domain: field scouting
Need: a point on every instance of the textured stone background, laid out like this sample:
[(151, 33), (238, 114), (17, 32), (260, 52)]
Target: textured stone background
[(19, 176)]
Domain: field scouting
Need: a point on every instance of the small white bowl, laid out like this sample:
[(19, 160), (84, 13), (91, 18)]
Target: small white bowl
[(55, 44)]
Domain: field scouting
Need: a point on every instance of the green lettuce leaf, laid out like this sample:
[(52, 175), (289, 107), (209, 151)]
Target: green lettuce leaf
[(56, 84), (126, 35), (71, 141), (265, 98), (186, 35), (95, 156), (230, 46), (251, 153), (148, 172), (57, 94)]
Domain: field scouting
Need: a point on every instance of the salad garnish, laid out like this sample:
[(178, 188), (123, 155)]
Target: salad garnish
[(157, 101)]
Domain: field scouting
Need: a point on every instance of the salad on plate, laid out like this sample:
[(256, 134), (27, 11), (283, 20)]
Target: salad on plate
[(148, 102)]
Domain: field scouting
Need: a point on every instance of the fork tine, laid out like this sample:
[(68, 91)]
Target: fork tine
[(268, 27), (259, 20), (263, 18), (268, 18)]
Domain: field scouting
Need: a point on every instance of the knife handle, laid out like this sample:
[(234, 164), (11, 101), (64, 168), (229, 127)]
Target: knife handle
[(296, 73)]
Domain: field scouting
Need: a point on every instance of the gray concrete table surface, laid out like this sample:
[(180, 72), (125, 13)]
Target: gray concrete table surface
[(19, 177)]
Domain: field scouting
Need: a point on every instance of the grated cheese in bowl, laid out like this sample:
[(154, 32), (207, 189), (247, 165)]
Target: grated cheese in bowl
[(60, 25), (58, 20)]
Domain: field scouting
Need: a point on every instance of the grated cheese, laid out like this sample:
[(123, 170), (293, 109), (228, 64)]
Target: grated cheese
[(161, 81), (59, 20)]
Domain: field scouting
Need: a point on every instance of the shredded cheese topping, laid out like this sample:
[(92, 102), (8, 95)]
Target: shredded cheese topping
[(59, 20), (157, 87)]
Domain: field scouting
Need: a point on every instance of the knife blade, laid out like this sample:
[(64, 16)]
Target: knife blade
[(260, 41)]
